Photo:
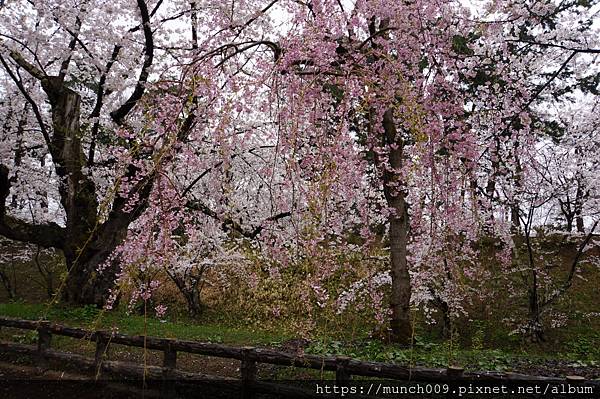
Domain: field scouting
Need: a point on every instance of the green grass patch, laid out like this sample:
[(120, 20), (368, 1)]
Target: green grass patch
[(581, 348), (89, 317), (582, 351)]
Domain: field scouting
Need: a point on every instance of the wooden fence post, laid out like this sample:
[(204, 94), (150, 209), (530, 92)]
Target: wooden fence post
[(454, 372), (169, 364), (342, 376), (248, 370), (43, 344), (102, 340)]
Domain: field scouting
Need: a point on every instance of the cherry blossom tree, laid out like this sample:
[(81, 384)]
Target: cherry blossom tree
[(391, 76), (536, 161), (183, 135), (77, 77), (437, 105)]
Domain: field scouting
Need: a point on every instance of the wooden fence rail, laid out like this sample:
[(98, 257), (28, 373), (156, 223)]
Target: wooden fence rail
[(249, 357)]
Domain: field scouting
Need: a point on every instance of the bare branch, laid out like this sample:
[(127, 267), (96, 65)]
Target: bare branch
[(120, 113), (64, 66), (569, 280), (46, 235), (30, 68), (36, 111)]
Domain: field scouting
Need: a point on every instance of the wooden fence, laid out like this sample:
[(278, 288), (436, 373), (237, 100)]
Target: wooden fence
[(249, 357)]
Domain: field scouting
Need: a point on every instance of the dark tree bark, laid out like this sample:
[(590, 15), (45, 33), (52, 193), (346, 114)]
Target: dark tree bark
[(400, 324), (580, 225), (85, 241), (515, 205), (579, 199), (568, 213), (190, 286)]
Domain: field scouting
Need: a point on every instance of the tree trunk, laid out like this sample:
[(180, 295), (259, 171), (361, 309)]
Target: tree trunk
[(580, 225), (515, 206), (569, 219), (490, 187), (400, 296), (568, 214), (535, 328), (579, 198), (536, 332), (9, 282), (86, 244), (514, 217), (194, 304), (446, 332), (395, 195), (400, 324), (84, 284)]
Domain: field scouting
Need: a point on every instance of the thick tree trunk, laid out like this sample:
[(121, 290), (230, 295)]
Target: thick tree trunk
[(490, 187), (514, 217), (568, 213), (515, 206), (86, 245), (85, 284), (395, 195), (446, 331), (400, 324), (192, 298), (8, 280), (194, 304), (580, 225)]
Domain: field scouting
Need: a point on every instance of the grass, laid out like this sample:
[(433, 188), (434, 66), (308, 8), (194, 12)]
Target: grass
[(91, 318), (580, 349), (441, 354)]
